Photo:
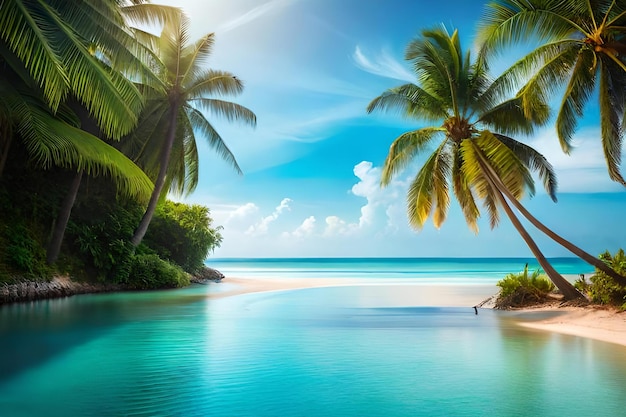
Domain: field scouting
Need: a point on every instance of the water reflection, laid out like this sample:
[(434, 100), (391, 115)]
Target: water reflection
[(333, 352)]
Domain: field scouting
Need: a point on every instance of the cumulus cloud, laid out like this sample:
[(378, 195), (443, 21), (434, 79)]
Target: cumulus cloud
[(262, 227), (383, 209), (383, 64), (335, 226), (307, 228), (243, 212)]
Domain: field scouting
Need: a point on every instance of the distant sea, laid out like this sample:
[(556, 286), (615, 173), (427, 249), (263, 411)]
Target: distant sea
[(331, 352), (426, 270)]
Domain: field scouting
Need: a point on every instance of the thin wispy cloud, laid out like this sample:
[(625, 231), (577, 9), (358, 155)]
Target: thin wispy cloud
[(383, 65), (254, 14)]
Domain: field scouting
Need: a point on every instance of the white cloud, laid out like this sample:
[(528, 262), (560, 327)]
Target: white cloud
[(243, 212), (262, 227), (383, 210), (335, 226), (383, 64), (379, 199), (306, 228)]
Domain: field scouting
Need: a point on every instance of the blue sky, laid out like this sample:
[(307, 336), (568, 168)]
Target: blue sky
[(312, 164)]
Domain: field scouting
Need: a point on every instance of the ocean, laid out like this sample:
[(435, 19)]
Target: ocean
[(356, 350)]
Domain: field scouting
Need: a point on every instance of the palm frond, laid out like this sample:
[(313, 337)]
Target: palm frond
[(232, 112), (182, 171), (213, 82), (144, 145), (404, 149), (52, 142), (29, 34), (475, 178), (509, 117), (203, 127), (611, 117), (441, 172), (535, 161), (577, 93), (410, 101), (150, 14), (174, 37), (510, 169), (507, 22), (463, 191), (194, 57), (420, 197)]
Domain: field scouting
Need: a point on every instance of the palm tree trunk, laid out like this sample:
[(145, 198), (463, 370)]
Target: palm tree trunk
[(567, 289), (141, 230), (54, 246), (585, 256)]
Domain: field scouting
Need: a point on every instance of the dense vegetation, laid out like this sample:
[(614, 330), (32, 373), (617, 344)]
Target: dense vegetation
[(97, 244), (97, 126), (601, 288), (523, 288)]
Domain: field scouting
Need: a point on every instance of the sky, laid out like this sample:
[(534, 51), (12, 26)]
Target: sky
[(311, 166)]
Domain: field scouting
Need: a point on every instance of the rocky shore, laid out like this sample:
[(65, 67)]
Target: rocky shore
[(56, 288), (63, 286)]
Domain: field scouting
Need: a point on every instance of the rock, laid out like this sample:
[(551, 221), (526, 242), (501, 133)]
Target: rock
[(57, 288), (206, 275)]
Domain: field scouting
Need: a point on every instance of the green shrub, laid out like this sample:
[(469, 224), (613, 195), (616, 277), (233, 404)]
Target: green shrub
[(24, 254), (104, 242), (603, 288), (151, 272), (522, 289), (183, 234)]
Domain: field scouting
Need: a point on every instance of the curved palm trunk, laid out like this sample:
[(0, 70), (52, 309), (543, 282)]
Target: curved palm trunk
[(54, 246), (141, 230), (585, 256), (567, 289)]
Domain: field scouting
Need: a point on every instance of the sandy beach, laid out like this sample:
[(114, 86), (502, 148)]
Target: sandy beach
[(599, 323)]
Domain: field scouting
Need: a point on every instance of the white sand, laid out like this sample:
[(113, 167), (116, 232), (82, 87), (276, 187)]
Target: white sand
[(608, 325)]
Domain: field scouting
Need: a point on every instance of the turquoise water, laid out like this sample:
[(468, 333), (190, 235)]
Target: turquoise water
[(427, 270), (336, 351)]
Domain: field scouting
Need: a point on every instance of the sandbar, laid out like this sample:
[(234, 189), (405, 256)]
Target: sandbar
[(599, 323)]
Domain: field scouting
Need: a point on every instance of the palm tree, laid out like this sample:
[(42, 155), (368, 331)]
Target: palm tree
[(53, 39), (65, 87), (126, 55), (584, 50), (173, 116), (476, 156)]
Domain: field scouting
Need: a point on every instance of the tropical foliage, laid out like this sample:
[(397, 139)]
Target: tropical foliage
[(474, 156), (602, 289), (523, 288), (183, 234), (583, 53), (68, 86)]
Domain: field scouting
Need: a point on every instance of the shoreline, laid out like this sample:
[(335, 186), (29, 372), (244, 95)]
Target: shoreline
[(592, 322)]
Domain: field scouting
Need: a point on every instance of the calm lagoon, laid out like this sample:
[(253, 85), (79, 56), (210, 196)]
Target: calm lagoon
[(340, 351)]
